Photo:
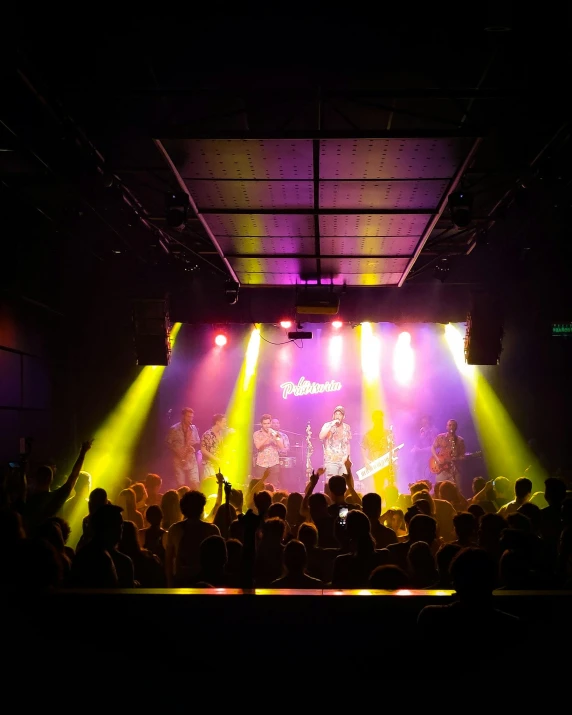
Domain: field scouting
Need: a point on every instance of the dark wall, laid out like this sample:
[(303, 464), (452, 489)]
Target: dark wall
[(31, 403)]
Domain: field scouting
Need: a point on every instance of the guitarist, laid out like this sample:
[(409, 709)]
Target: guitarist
[(448, 448)]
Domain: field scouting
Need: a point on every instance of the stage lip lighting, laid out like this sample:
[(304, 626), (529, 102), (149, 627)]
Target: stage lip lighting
[(337, 324), (286, 324), (220, 340)]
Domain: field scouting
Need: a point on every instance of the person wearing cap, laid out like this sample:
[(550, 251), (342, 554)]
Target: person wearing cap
[(336, 436)]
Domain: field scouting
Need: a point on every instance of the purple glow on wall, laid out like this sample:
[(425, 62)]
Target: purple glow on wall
[(203, 377)]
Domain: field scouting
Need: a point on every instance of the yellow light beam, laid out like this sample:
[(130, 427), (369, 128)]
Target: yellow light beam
[(240, 416), (505, 451), (111, 456), (372, 389)]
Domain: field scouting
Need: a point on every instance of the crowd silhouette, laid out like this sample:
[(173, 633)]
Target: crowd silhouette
[(502, 537)]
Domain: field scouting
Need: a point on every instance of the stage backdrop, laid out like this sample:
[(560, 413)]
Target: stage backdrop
[(420, 380)]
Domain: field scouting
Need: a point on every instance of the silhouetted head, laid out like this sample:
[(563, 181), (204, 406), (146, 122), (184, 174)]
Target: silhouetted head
[(449, 492), (554, 491), (465, 526), (293, 504), (213, 555), (479, 483), (318, 505), (193, 504), (97, 498), (359, 531), (153, 483), (473, 574), (277, 509), (154, 515), (523, 488), (295, 558), (388, 577), (44, 477), (337, 486), (444, 557), (372, 505), (422, 528), (129, 543), (107, 525), (308, 535), (476, 510)]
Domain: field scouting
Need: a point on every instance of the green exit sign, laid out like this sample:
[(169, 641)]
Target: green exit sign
[(562, 330)]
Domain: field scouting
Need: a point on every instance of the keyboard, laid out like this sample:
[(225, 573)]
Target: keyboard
[(377, 464)]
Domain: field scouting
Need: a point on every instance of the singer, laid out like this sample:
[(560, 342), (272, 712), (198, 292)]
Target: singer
[(336, 436), (268, 444)]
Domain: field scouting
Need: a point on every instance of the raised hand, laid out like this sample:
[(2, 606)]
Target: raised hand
[(86, 446), (219, 477)]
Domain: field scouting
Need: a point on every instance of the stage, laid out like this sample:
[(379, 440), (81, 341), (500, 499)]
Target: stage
[(407, 371)]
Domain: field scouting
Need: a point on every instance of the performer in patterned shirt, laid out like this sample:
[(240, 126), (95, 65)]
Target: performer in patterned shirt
[(183, 441), (336, 436), (268, 444), (448, 449), (211, 446)]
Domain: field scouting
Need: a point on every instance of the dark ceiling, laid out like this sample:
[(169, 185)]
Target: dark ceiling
[(323, 152)]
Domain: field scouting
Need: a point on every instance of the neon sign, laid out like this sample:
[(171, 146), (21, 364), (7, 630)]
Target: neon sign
[(305, 387)]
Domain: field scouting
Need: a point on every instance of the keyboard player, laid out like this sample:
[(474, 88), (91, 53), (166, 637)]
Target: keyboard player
[(375, 443)]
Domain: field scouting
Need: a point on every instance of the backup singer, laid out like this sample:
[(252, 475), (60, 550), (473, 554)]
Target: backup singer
[(375, 443), (448, 448), (211, 446), (275, 424), (336, 436), (183, 441), (268, 444)]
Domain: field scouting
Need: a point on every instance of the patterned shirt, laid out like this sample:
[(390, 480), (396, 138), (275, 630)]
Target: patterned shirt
[(179, 439), (337, 443), (269, 455), (451, 449), (286, 442), (375, 443), (211, 443)]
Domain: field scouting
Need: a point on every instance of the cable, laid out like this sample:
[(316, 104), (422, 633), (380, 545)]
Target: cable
[(283, 343)]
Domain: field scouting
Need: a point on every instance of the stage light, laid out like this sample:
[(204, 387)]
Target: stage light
[(286, 324), (177, 209), (220, 340), (460, 205), (403, 359), (336, 324), (442, 270)]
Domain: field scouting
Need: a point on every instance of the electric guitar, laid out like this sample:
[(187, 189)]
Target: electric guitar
[(446, 463)]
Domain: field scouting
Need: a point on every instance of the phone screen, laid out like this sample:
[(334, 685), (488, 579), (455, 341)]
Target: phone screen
[(343, 515)]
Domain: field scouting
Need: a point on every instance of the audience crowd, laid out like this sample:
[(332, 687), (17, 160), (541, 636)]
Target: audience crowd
[(502, 536)]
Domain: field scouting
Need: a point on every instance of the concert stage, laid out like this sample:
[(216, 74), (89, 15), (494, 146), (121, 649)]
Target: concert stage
[(408, 371)]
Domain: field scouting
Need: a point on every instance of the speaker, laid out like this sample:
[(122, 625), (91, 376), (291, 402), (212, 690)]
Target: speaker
[(485, 330), (151, 332)]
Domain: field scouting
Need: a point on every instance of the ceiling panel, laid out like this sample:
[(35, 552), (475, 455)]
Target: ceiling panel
[(373, 224), (243, 159), (345, 266), (382, 194), (368, 245), (390, 158), (267, 244), (300, 266), (372, 279), (252, 194), (261, 224)]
